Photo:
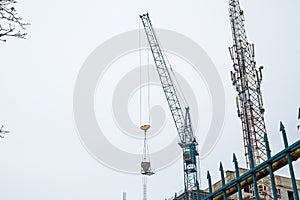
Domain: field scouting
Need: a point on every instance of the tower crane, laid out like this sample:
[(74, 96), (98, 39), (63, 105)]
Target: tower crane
[(182, 120)]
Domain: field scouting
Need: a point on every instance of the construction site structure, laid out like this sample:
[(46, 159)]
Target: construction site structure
[(182, 121)]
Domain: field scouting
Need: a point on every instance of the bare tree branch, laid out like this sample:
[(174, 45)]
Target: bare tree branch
[(2, 132), (11, 25)]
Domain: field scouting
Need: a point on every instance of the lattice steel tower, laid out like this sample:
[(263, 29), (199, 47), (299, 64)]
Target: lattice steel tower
[(247, 80)]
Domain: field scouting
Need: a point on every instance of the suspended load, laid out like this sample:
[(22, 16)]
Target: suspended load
[(146, 164)]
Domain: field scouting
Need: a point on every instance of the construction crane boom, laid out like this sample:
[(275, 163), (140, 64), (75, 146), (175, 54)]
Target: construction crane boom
[(182, 121)]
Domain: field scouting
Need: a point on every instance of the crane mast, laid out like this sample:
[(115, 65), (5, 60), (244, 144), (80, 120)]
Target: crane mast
[(247, 80), (182, 121)]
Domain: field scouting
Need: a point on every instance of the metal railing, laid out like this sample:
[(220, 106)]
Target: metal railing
[(285, 157), (254, 176)]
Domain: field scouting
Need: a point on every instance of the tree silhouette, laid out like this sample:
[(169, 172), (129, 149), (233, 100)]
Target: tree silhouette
[(2, 132), (11, 25)]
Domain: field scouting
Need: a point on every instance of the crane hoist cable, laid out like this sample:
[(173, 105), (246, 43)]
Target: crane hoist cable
[(141, 80), (140, 76), (148, 83), (145, 163)]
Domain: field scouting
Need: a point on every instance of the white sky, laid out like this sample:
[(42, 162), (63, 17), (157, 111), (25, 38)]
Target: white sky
[(43, 157)]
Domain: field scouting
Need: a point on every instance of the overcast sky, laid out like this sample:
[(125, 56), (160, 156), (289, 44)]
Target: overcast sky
[(43, 156)]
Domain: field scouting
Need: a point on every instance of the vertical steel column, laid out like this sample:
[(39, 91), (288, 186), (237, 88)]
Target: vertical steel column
[(253, 175), (209, 182), (237, 174), (223, 181), (273, 184), (175, 197), (186, 193), (282, 129)]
